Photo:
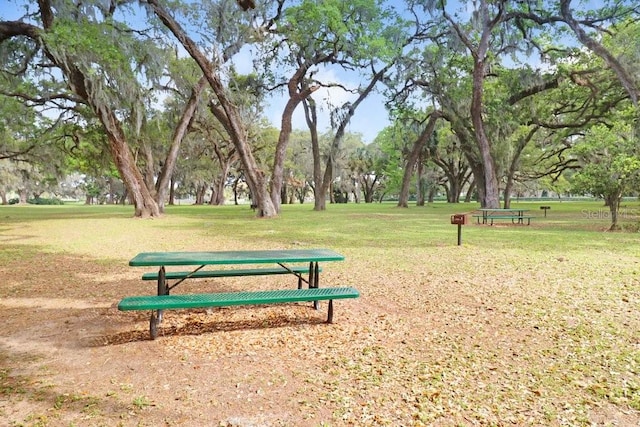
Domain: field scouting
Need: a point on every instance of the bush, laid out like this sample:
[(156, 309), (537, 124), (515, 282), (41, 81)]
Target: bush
[(14, 201), (45, 201)]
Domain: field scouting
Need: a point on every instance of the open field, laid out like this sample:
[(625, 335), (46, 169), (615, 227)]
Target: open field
[(521, 325)]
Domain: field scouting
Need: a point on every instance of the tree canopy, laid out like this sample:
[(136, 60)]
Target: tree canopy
[(165, 96)]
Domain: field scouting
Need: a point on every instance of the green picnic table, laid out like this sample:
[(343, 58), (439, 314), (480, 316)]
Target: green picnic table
[(288, 261), (516, 215)]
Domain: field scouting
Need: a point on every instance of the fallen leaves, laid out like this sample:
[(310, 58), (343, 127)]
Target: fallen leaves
[(447, 337)]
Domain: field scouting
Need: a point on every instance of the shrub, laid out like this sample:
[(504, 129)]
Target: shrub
[(45, 201)]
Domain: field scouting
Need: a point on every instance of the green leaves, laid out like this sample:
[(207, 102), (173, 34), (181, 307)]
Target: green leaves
[(359, 29), (610, 157), (108, 54)]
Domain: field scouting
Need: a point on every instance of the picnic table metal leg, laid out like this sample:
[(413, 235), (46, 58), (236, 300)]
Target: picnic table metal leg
[(315, 283), (156, 316), (330, 313), (154, 323), (163, 289), (310, 277)]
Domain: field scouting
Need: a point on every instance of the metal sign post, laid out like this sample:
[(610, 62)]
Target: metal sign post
[(459, 220)]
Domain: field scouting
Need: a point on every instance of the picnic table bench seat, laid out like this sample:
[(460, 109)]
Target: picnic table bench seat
[(201, 274), (223, 299), (513, 218)]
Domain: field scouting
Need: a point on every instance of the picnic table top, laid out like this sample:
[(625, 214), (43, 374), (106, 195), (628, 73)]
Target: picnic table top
[(486, 210), (234, 257)]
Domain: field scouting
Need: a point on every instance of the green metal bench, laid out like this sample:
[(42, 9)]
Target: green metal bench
[(204, 274), (514, 218), (223, 299)]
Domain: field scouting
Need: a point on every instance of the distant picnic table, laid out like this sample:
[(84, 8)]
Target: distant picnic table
[(296, 262), (516, 215)]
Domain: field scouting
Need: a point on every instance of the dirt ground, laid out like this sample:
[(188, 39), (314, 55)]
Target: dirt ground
[(415, 349), (69, 357)]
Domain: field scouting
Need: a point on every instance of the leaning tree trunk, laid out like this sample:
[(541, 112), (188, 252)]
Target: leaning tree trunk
[(136, 187), (469, 195), (144, 203), (613, 201), (337, 140), (623, 75), (420, 183), (506, 203), (414, 155), (319, 193), (137, 190), (82, 85), (164, 182), (226, 112), (325, 187), (491, 196), (295, 98)]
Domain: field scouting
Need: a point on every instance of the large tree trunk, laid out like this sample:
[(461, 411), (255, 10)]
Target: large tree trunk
[(491, 196), (414, 155), (478, 179), (465, 136), (219, 184), (143, 201), (613, 201), (295, 98), (488, 186), (432, 194), (201, 190), (453, 191), (226, 112), (506, 195), (337, 139), (319, 191), (168, 166), (23, 195), (420, 183), (82, 86)]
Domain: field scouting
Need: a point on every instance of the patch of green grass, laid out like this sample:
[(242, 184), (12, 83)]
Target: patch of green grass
[(88, 405), (568, 225), (141, 402), (9, 385)]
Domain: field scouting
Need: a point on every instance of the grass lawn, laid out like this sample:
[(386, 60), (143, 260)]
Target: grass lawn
[(520, 325)]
